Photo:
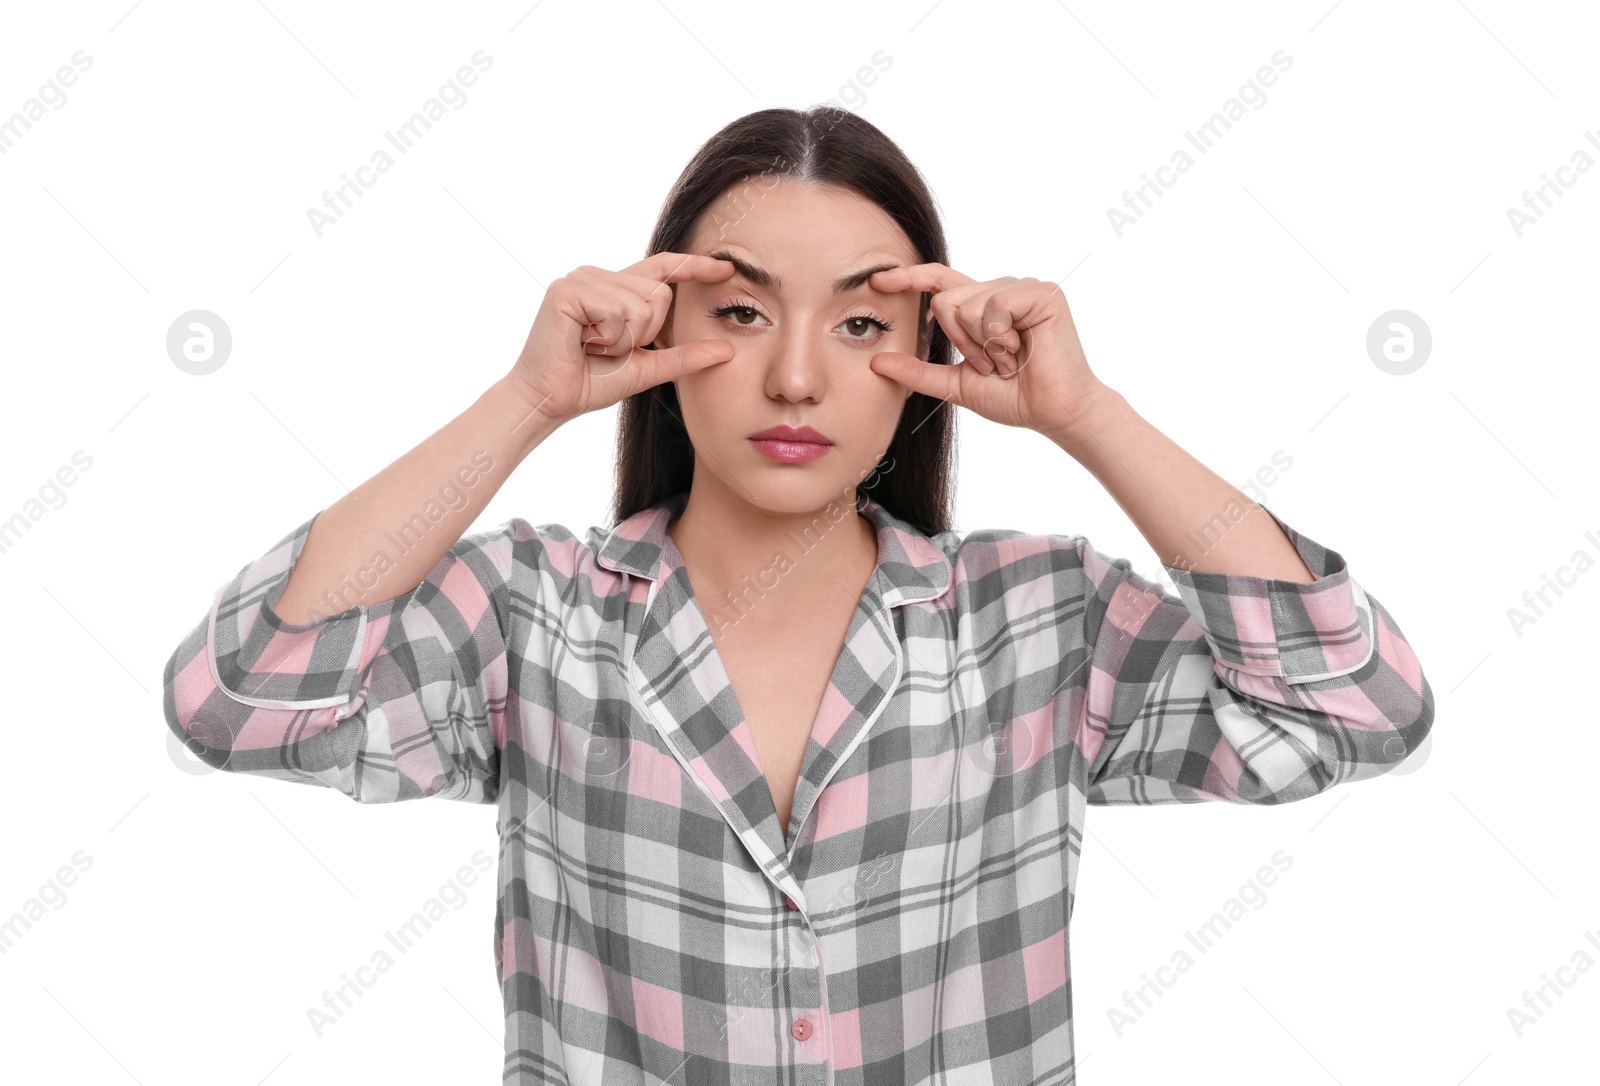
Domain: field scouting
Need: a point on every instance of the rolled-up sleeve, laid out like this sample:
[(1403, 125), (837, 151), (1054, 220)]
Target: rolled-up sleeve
[(400, 700), (1240, 688)]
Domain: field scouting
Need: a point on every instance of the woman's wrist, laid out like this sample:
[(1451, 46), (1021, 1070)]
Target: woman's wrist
[(522, 412), (1090, 412)]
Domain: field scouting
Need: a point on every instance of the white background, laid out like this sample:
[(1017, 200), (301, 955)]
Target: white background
[(1233, 315)]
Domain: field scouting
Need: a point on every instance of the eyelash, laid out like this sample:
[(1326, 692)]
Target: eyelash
[(884, 326)]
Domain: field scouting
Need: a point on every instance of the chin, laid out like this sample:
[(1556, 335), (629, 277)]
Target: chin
[(801, 496)]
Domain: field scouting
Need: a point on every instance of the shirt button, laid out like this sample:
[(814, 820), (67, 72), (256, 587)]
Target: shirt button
[(789, 901), (801, 1029)]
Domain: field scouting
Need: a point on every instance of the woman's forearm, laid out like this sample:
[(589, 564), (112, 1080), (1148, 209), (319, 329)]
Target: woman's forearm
[(1193, 518), (380, 540)]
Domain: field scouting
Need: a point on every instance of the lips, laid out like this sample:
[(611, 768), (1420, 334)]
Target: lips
[(791, 435)]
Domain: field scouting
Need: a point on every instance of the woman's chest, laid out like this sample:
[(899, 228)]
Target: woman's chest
[(676, 717), (779, 680)]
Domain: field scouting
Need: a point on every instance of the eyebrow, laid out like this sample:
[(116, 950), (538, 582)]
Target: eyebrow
[(767, 281)]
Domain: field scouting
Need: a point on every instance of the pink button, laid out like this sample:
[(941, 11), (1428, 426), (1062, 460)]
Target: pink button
[(789, 901), (801, 1029)]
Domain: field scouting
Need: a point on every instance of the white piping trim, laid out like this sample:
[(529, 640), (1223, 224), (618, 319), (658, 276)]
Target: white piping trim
[(277, 703)]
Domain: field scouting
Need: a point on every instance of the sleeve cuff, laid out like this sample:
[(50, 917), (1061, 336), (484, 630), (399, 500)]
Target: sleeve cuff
[(1299, 632), (257, 658)]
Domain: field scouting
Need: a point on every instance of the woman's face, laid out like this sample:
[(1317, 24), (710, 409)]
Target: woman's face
[(801, 346)]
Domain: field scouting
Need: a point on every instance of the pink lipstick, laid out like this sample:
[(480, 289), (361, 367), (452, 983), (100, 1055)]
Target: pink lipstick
[(791, 444)]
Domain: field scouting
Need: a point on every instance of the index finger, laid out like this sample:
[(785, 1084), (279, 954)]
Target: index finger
[(669, 267), (923, 277)]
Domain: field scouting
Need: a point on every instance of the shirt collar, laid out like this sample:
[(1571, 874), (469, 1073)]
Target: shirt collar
[(911, 566)]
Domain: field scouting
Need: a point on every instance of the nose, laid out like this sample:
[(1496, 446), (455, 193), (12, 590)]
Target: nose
[(797, 367)]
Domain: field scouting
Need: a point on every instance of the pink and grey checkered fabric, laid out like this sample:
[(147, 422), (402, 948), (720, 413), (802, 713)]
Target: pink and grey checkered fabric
[(653, 924)]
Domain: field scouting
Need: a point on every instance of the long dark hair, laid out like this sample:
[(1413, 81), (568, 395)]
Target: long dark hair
[(824, 145)]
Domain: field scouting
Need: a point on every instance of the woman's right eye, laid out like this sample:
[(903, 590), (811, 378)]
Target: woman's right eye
[(729, 310)]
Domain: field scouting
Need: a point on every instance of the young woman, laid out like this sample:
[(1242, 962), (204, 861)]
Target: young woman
[(791, 776)]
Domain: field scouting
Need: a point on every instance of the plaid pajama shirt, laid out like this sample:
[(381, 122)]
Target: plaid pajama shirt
[(653, 925)]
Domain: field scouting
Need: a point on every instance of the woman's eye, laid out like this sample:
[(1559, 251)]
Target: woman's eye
[(745, 316), (730, 310), (871, 323)]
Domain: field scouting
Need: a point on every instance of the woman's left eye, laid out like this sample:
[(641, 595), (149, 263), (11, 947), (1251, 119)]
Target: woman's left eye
[(882, 326)]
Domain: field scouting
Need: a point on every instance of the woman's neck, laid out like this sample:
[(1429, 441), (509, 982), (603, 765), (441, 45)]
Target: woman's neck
[(729, 545)]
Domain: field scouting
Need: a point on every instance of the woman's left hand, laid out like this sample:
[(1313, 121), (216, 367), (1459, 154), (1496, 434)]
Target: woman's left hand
[(1023, 364)]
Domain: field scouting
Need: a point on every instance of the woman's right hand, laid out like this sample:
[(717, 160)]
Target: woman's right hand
[(586, 350)]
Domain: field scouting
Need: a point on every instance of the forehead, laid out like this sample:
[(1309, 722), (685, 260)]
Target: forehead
[(805, 229)]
